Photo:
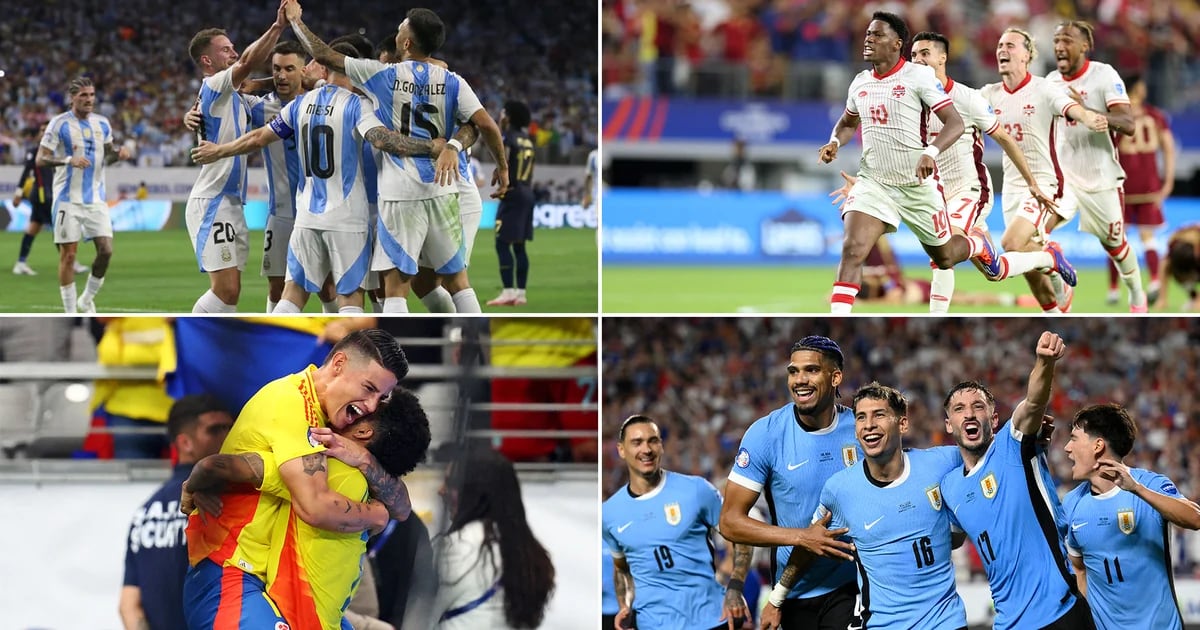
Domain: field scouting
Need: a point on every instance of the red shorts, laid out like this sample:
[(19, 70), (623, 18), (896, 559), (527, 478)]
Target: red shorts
[(527, 390), (1147, 214)]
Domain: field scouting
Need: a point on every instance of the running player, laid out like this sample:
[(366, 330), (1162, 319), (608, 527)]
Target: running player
[(80, 141), (1026, 107), (657, 527), (514, 218), (1090, 163), (1118, 518), (895, 173)]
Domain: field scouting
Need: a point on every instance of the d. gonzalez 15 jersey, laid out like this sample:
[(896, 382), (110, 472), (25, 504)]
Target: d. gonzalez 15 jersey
[(664, 536), (790, 465), (1124, 543), (901, 534)]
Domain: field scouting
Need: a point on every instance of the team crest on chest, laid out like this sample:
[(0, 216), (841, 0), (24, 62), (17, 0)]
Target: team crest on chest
[(989, 485), (898, 91), (1029, 109), (934, 495), (849, 455), (673, 512), (1125, 521), (87, 133)]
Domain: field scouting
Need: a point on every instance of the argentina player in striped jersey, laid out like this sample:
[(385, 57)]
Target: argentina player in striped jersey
[(892, 504), (657, 528), (418, 210), (1004, 499), (1118, 519)]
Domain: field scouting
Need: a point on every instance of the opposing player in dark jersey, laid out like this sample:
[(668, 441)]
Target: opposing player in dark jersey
[(514, 218)]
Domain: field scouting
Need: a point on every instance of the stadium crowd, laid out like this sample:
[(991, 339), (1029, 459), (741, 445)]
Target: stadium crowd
[(136, 53), (706, 380), (658, 46)]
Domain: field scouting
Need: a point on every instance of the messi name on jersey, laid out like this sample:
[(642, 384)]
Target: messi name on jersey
[(319, 110), (429, 89)]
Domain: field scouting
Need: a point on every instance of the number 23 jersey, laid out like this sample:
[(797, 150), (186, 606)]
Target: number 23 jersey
[(664, 536)]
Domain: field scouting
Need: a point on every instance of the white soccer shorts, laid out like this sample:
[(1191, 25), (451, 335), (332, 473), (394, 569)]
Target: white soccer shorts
[(314, 255), (74, 222), (276, 237), (428, 230), (920, 207), (217, 228)]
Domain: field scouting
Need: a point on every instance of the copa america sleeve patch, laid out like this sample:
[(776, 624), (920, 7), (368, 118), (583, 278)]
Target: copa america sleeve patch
[(1169, 489), (311, 439), (743, 458)]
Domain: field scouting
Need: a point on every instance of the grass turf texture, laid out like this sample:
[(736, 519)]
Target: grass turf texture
[(155, 272)]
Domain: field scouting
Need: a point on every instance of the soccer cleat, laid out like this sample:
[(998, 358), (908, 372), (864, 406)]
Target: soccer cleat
[(1061, 264), (1139, 307), (1068, 298), (988, 257), (80, 268), (23, 269), (85, 306), (1113, 297), (1153, 291), (519, 300), (504, 299)]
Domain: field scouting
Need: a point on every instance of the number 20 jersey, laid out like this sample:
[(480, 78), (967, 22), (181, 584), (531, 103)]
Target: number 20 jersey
[(664, 536)]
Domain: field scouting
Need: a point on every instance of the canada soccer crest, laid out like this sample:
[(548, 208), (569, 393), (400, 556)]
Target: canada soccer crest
[(849, 455), (934, 495), (1125, 521), (674, 514), (989, 485), (898, 91), (1029, 109)]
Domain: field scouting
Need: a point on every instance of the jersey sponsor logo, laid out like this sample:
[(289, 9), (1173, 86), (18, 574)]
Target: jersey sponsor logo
[(898, 91), (862, 94), (1029, 109), (245, 565), (989, 485), (849, 455), (743, 458), (996, 112), (934, 495), (624, 527), (1125, 521), (872, 523), (673, 512), (1075, 526), (795, 466)]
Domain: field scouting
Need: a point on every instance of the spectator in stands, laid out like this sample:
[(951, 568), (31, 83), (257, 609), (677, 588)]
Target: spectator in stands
[(139, 407)]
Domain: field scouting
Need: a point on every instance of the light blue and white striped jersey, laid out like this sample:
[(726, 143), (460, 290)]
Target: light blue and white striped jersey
[(664, 536), (1004, 505), (224, 118), (420, 100), (282, 158), (67, 136), (1124, 545), (790, 466), (328, 124), (901, 537), (593, 169)]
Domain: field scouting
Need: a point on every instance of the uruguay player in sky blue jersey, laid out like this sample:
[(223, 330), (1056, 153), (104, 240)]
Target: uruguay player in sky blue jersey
[(789, 454), (1004, 500), (1118, 539), (658, 529), (892, 504)]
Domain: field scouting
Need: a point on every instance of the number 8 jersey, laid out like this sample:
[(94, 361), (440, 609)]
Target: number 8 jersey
[(664, 536)]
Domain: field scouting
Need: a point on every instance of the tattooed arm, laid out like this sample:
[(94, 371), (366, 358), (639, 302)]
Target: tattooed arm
[(386, 489), (306, 477), (320, 51), (392, 142), (623, 586), (734, 607)]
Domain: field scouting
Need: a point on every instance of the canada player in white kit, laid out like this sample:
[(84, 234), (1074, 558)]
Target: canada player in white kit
[(897, 174), (1089, 159), (1026, 106)]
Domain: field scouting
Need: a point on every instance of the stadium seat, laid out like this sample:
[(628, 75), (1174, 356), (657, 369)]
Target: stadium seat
[(19, 405), (63, 420)]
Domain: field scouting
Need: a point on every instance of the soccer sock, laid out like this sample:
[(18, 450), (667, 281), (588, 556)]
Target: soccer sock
[(376, 305), (1060, 288), (438, 301), (1017, 263), (941, 290), (1128, 266), (466, 302), (286, 306), (522, 264), (395, 305), (1113, 273), (506, 263), (355, 310), (976, 243), (92, 287), (68, 297), (842, 301), (210, 303), (26, 245), (330, 306), (1051, 307), (271, 304), (1151, 262)]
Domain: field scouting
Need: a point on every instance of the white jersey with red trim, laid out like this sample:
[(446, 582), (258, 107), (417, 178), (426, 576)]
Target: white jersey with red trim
[(1089, 159), (961, 166), (892, 108), (1027, 114)]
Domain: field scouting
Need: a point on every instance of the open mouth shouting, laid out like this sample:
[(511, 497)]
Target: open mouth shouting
[(972, 429)]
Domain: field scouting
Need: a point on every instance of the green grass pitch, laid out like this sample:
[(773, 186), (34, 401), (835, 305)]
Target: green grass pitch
[(748, 289), (155, 272)]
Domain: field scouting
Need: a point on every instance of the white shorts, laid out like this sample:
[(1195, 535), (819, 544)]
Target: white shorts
[(428, 230), (371, 280), (275, 245), (920, 207), (313, 255), (217, 227), (470, 209), (967, 208), (1019, 204), (1101, 212), (74, 222)]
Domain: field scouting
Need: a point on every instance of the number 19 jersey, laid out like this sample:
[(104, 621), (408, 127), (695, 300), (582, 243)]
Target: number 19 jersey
[(664, 536)]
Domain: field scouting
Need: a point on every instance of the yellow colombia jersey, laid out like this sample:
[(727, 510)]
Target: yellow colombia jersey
[(554, 330), (276, 420), (313, 572), (135, 341)]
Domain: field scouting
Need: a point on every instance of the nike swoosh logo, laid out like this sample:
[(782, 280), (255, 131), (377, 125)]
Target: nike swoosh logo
[(872, 523), (624, 527), (1075, 527), (795, 466)]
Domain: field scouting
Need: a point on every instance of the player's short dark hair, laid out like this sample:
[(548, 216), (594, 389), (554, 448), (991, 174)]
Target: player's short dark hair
[(632, 420), (427, 29), (966, 385), (346, 48), (1182, 260), (375, 344), (362, 45), (401, 438), (1085, 28), (877, 391), (1132, 80), (201, 40), (1111, 423), (78, 83), (827, 347), (186, 412), (894, 21), (386, 45), (290, 47), (518, 114), (930, 36)]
